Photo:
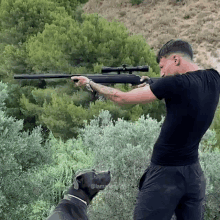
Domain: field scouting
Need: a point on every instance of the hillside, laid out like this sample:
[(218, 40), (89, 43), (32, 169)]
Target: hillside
[(196, 21)]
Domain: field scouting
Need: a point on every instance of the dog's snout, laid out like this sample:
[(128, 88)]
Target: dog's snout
[(104, 172)]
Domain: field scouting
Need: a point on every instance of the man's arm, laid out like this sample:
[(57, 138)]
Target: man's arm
[(141, 95), (110, 93)]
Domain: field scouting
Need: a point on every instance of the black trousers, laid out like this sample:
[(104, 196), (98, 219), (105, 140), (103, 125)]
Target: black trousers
[(164, 190)]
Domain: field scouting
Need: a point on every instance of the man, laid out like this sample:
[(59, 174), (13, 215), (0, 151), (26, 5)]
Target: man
[(174, 181)]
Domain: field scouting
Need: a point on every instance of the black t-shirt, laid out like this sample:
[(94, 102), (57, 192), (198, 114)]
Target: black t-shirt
[(191, 101)]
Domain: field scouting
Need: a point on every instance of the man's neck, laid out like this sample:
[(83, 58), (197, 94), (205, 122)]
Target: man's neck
[(192, 67)]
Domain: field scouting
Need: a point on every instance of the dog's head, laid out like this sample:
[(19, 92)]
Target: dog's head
[(88, 183), (93, 180)]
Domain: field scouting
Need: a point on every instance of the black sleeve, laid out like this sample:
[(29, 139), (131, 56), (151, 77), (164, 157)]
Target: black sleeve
[(167, 87)]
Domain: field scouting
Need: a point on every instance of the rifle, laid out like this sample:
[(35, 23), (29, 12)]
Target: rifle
[(103, 78)]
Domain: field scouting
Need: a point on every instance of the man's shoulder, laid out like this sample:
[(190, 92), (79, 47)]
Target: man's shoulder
[(200, 71), (203, 74), (213, 70), (206, 71)]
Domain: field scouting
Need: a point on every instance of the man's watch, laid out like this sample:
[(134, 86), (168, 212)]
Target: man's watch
[(88, 86)]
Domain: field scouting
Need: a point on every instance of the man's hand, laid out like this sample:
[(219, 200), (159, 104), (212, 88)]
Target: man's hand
[(82, 80), (143, 84)]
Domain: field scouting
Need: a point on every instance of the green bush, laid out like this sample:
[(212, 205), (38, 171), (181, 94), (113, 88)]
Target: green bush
[(82, 47), (43, 173), (66, 45), (20, 153), (34, 175), (69, 5), (23, 18), (216, 125), (136, 2), (125, 149)]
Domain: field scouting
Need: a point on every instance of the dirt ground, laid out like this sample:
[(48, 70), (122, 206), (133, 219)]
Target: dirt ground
[(196, 21)]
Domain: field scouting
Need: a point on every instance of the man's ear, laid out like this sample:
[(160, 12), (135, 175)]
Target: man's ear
[(177, 60)]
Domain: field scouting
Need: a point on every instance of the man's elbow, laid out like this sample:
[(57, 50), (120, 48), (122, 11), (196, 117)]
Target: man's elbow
[(122, 99), (121, 104), (124, 102)]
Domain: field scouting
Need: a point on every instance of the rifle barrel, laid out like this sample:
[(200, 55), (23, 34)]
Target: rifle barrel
[(43, 76), (98, 78)]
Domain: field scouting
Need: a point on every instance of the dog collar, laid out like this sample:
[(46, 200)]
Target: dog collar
[(68, 197)]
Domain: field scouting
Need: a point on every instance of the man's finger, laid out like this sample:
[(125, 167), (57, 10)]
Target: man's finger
[(141, 85), (74, 78)]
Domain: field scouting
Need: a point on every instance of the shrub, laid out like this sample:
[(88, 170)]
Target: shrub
[(136, 2)]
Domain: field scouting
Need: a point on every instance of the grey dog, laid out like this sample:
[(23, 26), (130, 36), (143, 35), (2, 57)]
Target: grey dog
[(85, 187)]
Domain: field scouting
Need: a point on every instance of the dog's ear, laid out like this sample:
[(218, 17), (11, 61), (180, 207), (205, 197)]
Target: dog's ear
[(77, 181), (76, 185)]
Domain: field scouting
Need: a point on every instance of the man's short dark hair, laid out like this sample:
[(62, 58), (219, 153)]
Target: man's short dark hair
[(173, 46)]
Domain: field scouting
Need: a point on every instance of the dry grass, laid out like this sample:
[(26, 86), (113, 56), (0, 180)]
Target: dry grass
[(196, 21)]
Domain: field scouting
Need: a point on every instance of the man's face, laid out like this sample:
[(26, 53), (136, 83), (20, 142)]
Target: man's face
[(168, 66)]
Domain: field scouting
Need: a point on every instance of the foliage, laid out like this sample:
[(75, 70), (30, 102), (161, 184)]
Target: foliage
[(21, 19), (77, 14), (3, 96), (14, 109), (136, 2), (63, 114), (66, 44), (24, 18), (216, 125), (70, 6), (48, 184), (34, 171), (209, 161), (39, 35), (120, 146), (57, 112), (129, 145), (13, 61), (59, 47), (20, 152), (43, 173)]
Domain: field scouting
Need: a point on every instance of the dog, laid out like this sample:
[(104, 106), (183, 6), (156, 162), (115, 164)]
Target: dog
[(85, 187)]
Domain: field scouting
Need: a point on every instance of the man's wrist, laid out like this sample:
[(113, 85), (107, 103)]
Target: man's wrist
[(88, 86), (108, 92), (90, 81)]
